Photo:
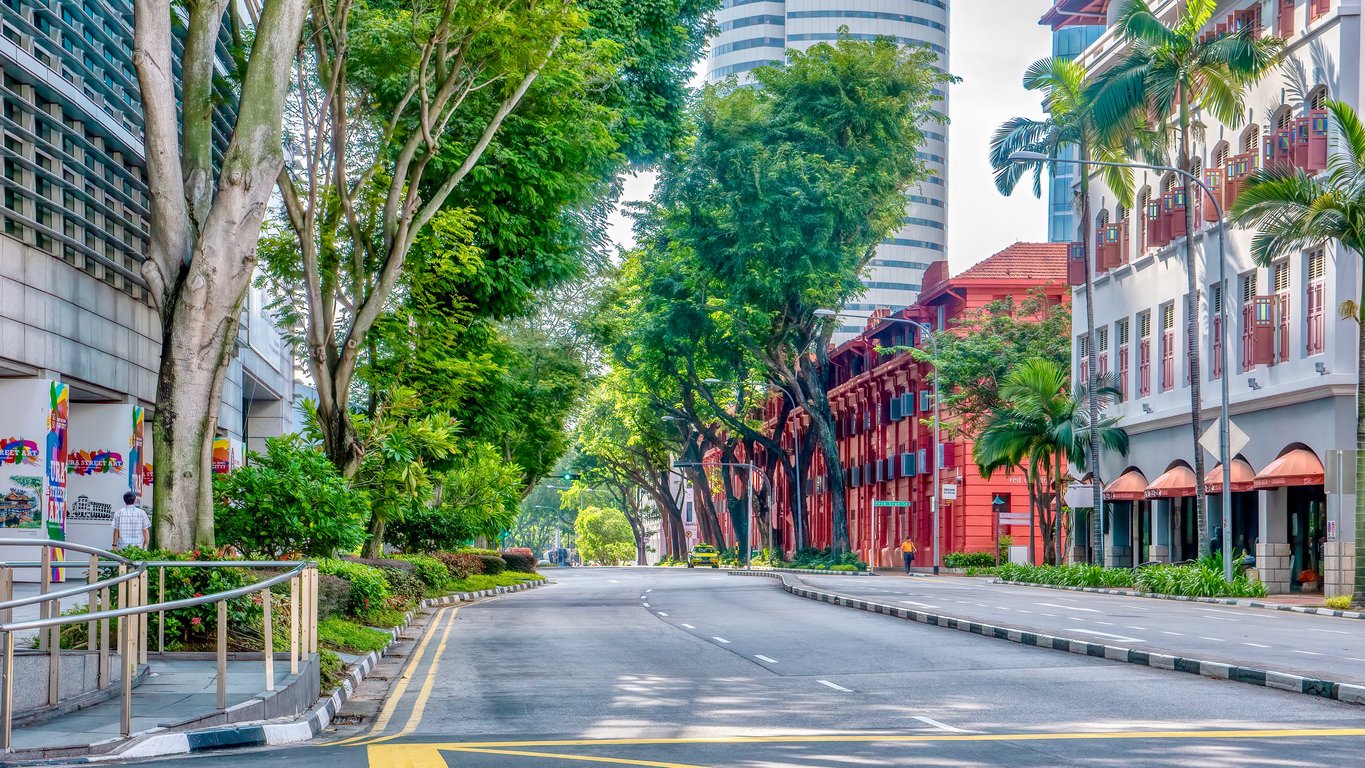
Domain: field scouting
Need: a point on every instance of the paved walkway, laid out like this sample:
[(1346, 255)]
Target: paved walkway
[(175, 691), (1297, 643)]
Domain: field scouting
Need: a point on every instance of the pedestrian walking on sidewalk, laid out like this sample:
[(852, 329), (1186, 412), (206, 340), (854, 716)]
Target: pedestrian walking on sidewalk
[(908, 553), (132, 528)]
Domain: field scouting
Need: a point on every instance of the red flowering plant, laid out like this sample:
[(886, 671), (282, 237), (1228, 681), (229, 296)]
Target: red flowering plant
[(197, 627)]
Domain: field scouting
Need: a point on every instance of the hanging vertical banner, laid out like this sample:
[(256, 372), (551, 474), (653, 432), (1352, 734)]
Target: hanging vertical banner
[(136, 468), (32, 481), (59, 400)]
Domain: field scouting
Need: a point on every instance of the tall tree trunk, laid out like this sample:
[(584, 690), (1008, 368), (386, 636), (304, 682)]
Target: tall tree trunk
[(1192, 333), (203, 231), (374, 545), (822, 424), (1092, 408)]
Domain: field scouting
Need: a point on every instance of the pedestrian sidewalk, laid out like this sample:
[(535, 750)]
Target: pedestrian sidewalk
[(174, 692), (1296, 643)]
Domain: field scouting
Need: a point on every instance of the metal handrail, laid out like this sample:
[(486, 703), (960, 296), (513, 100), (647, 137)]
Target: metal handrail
[(132, 589), (85, 549), (172, 605), (79, 589)]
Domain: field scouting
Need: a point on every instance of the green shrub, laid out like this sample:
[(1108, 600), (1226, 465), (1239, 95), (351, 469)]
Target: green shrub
[(405, 589), (518, 561), (1339, 603), (1202, 579), (431, 571), (348, 637), (844, 568), (334, 595), (461, 564), (969, 560), (477, 583), (199, 625), (291, 499), (331, 669), (369, 590), (492, 564)]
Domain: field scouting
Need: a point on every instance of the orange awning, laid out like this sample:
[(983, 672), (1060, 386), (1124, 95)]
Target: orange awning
[(1243, 477), (1175, 483), (1297, 467), (1129, 486)]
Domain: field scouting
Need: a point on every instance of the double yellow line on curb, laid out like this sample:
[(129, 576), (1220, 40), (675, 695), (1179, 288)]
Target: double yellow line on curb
[(420, 704)]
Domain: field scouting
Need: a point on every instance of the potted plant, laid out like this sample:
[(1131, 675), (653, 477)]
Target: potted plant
[(1308, 580)]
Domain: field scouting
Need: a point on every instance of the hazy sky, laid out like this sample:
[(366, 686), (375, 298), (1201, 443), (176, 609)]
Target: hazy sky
[(992, 42)]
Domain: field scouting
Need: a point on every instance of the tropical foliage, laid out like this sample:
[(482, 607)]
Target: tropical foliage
[(604, 536)]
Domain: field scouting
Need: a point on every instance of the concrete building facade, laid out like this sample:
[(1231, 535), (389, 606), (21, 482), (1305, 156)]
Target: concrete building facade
[(1292, 362), (79, 337), (753, 33)]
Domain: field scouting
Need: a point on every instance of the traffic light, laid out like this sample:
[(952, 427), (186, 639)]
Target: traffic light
[(569, 477)]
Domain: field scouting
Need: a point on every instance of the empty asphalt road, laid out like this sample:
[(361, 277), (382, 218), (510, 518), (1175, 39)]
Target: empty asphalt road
[(678, 668)]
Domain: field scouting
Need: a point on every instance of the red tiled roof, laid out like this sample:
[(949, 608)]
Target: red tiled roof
[(1043, 262), (1066, 12)]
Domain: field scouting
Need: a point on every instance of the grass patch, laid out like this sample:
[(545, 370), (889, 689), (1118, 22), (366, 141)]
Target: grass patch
[(347, 637), (479, 582), (331, 669), (385, 618)]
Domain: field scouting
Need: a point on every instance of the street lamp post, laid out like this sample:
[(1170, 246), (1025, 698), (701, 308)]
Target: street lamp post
[(749, 525), (1224, 505), (928, 333), (796, 451)]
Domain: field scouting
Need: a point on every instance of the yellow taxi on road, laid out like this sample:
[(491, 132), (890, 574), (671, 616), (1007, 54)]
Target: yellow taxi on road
[(703, 554)]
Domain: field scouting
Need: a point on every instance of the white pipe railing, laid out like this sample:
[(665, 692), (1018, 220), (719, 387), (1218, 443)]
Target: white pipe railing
[(132, 616)]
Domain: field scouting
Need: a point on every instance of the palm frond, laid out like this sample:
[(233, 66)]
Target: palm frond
[(1139, 23), (1351, 129), (1015, 135)]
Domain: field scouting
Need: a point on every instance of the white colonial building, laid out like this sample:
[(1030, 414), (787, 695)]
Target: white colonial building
[(1292, 362)]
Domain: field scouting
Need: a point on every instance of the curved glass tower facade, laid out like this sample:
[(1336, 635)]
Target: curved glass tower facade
[(757, 32)]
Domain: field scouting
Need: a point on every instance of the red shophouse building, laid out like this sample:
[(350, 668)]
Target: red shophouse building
[(882, 405)]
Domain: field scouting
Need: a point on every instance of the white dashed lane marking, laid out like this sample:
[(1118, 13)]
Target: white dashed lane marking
[(720, 640), (828, 684), (761, 657), (938, 725), (689, 626)]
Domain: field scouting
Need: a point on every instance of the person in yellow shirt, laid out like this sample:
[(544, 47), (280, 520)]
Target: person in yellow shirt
[(908, 553)]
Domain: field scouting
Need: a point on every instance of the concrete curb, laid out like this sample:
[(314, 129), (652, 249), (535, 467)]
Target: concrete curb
[(812, 571), (1237, 601), (160, 743), (1349, 693)]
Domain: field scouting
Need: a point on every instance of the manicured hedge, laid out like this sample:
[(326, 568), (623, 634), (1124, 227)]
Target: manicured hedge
[(492, 564), (517, 561)]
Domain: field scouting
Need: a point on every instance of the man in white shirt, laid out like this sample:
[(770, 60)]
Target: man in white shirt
[(132, 527)]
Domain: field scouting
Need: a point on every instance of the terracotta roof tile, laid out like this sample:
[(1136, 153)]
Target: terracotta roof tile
[(1043, 262)]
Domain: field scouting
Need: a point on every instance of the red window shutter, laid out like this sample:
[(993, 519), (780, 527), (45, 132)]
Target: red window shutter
[(1085, 368), (1167, 360), (1301, 142), (1156, 236), (1075, 265), (1123, 371), (1213, 177), (1177, 212), (1316, 317), (1285, 21), (1263, 329), (1101, 262), (1282, 316), (1317, 141), (1319, 8), (1123, 241), (1145, 368), (1248, 338), (1217, 365), (1109, 251), (1104, 362)]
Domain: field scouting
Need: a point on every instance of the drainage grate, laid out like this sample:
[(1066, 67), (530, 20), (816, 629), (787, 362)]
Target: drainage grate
[(346, 718)]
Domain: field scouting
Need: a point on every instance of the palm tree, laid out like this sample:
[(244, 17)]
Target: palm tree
[(1169, 71), (1070, 125), (1293, 210), (1038, 427)]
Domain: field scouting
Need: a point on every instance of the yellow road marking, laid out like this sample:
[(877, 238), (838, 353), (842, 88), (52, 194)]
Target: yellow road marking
[(420, 706), (391, 705), (1280, 733), (406, 756), (579, 758)]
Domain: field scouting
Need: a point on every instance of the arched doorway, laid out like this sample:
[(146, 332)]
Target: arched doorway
[(1294, 521)]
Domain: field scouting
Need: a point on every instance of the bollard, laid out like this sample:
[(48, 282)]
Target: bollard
[(312, 597), (294, 625), (222, 654), (269, 641)]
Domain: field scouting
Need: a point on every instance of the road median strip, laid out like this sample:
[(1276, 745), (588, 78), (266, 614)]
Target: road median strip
[(1349, 693)]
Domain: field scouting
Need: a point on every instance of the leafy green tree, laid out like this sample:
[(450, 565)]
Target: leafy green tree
[(288, 500), (604, 536), (983, 346), (1038, 425), (206, 201), (1070, 127), (1171, 71), (476, 497), (780, 204), (1293, 210)]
